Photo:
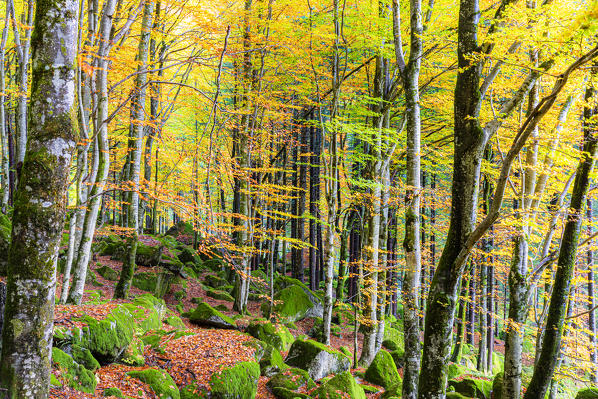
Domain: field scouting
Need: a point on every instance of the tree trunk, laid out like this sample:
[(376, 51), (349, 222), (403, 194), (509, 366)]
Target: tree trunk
[(545, 366), (40, 204), (135, 141)]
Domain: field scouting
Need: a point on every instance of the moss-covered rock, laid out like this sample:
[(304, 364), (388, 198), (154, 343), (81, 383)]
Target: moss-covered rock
[(317, 359), (219, 294), (383, 371), (293, 304), (271, 361), (341, 386), (74, 374), (393, 339), (5, 232), (455, 395), (276, 335), (588, 393), (497, 386), (148, 312), (215, 281), (205, 315), (145, 281), (108, 273), (317, 330), (175, 321), (114, 392), (108, 338), (290, 380), (148, 255), (159, 381), (237, 382), (471, 387), (84, 357), (133, 355)]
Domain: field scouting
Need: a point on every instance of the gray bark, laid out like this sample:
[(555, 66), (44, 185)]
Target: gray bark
[(40, 204)]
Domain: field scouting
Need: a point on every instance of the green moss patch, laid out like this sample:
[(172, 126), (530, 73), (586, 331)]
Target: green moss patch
[(207, 316), (237, 382), (75, 375), (383, 371), (159, 381), (276, 335), (340, 386)]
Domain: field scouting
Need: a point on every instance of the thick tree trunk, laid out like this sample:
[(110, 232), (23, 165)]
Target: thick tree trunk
[(40, 204), (545, 366)]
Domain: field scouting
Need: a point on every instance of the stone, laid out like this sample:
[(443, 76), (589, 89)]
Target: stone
[(317, 359), (207, 316), (159, 381), (341, 386), (276, 335), (383, 371)]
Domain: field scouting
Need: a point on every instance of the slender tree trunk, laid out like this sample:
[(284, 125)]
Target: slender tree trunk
[(83, 252), (411, 242), (135, 142), (592, 296), (4, 171), (40, 209), (546, 364)]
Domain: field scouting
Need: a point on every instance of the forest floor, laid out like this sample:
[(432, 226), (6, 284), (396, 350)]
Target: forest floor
[(205, 352)]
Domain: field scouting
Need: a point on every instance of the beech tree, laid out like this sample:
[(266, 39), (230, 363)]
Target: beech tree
[(40, 203)]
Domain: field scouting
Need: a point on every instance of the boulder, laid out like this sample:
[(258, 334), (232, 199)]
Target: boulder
[(148, 255), (294, 303), (341, 386), (108, 273), (219, 294), (276, 335), (133, 355), (317, 359), (497, 386), (472, 388), (236, 382), (215, 281), (285, 384), (72, 373), (106, 339), (588, 393), (148, 312), (383, 371), (393, 339), (145, 281), (159, 381), (84, 357), (271, 361), (207, 316)]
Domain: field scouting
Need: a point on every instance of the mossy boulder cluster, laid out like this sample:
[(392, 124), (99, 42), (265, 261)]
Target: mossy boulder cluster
[(159, 381), (317, 359), (73, 373)]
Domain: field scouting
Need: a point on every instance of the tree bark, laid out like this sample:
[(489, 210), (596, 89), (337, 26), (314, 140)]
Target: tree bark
[(40, 204), (545, 366)]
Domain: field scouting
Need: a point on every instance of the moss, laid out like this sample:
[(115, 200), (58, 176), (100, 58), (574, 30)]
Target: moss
[(54, 381), (383, 371), (271, 361), (107, 339), (194, 391), (473, 388), (115, 392), (215, 281), (219, 294), (283, 393), (237, 382), (205, 315), (133, 355), (588, 393), (497, 386), (147, 255), (148, 312), (84, 357), (316, 358), (293, 304), (159, 381), (276, 335), (107, 272), (258, 346), (145, 281), (75, 375), (291, 379), (175, 321), (340, 386)]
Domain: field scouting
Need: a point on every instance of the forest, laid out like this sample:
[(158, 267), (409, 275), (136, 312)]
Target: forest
[(295, 199)]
